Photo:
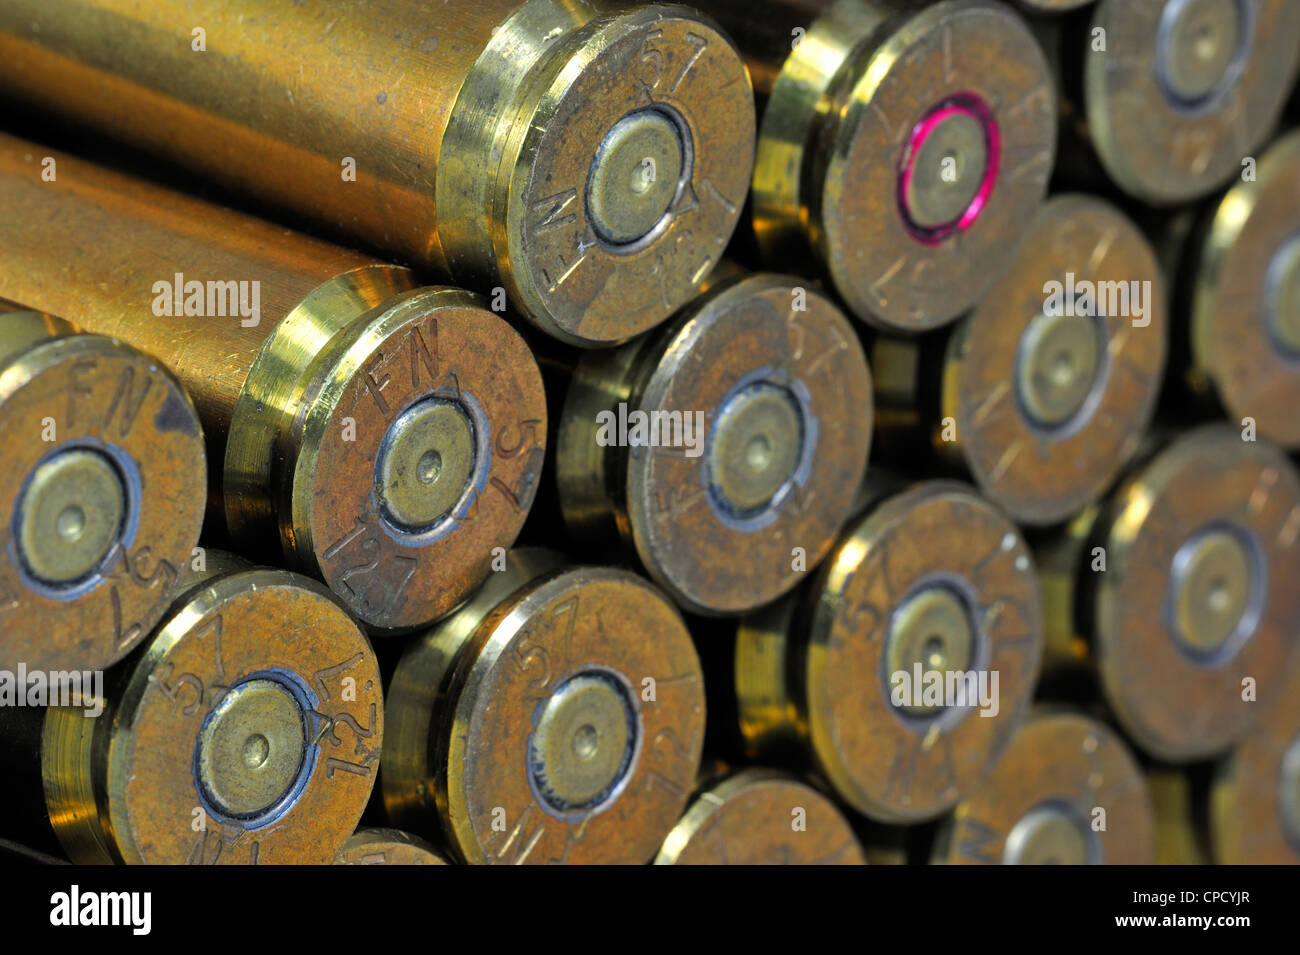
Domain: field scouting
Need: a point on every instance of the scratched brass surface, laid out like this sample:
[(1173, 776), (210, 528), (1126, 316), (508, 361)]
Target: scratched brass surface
[(299, 396)]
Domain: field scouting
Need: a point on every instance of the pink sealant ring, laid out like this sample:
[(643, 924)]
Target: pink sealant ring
[(964, 104)]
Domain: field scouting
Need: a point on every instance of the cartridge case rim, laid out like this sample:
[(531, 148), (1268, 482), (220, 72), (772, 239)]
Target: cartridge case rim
[(1184, 152), (162, 465), (473, 737), (709, 806), (1030, 471), (1206, 479), (858, 195), (1254, 375)]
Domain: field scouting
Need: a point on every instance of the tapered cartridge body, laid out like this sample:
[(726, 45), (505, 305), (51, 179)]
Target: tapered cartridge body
[(246, 730), (384, 437), (102, 485), (1043, 391), (1067, 791), (902, 668), (557, 717), (725, 449), (1177, 593), (904, 147), (590, 158)]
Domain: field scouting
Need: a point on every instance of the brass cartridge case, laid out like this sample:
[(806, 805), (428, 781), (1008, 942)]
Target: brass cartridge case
[(102, 486), (557, 717), (761, 817), (1167, 99), (1239, 313), (387, 847), (767, 380), (1041, 394), (1067, 791), (1254, 803), (903, 147), (246, 730), (589, 158), (928, 589), (1177, 593), (385, 437)]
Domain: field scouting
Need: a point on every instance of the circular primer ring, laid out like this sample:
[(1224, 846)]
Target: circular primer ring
[(958, 104), (481, 427), (759, 518), (626, 770), (128, 474), (307, 702)]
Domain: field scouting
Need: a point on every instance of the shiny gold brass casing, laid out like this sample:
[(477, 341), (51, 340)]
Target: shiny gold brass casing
[(557, 717), (761, 817), (767, 379), (462, 138), (102, 486), (1065, 791), (147, 780), (306, 396), (820, 669), (904, 147)]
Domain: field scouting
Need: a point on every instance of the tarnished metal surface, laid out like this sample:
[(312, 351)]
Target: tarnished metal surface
[(906, 145), (557, 717), (759, 817), (246, 730), (931, 580), (102, 487), (314, 399), (1245, 305), (1066, 791), (387, 847), (770, 395), (1043, 392), (1183, 90), (1255, 802), (1180, 594)]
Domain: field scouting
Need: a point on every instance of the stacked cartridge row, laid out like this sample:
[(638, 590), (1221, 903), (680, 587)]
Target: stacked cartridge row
[(803, 431)]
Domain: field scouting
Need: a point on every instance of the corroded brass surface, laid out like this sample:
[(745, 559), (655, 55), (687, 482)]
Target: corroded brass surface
[(761, 817), (102, 486), (816, 668), (557, 717), (324, 402), (758, 401), (246, 730), (494, 141), (1065, 791)]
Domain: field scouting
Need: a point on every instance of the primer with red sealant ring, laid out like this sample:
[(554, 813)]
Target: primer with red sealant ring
[(970, 107)]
